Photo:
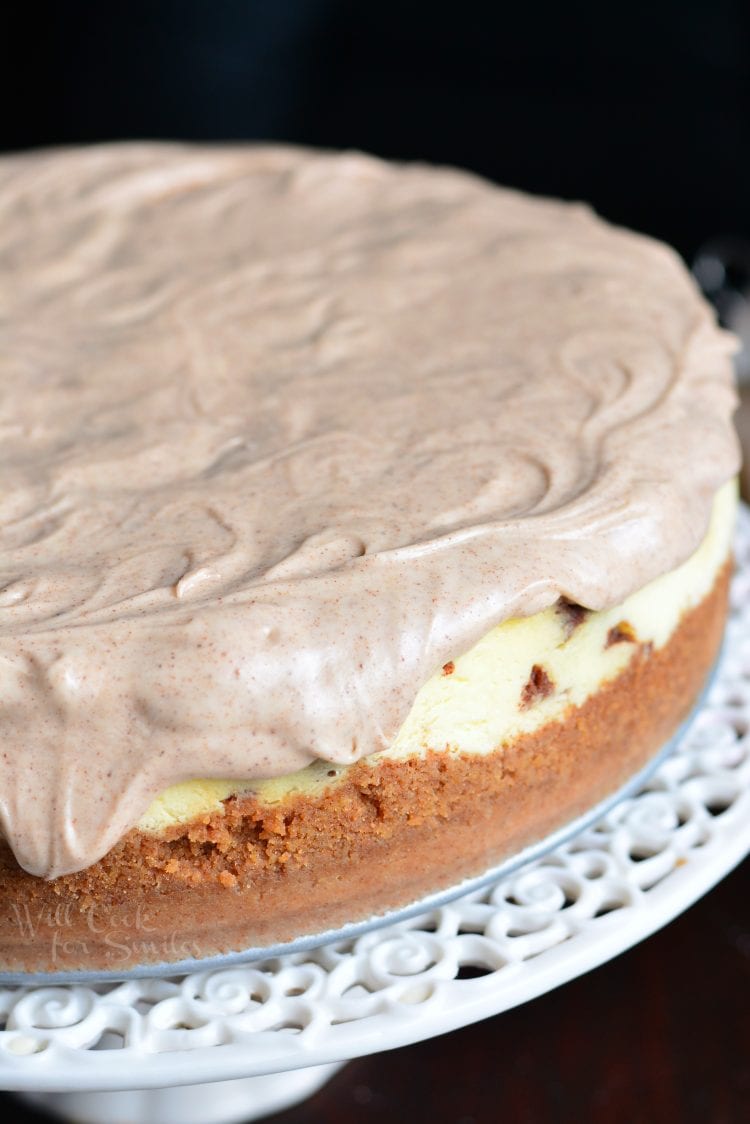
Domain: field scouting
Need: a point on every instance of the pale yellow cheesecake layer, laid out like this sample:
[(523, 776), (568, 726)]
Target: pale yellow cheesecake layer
[(476, 703)]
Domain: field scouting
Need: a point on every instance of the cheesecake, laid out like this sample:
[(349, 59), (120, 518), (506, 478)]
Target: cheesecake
[(361, 524)]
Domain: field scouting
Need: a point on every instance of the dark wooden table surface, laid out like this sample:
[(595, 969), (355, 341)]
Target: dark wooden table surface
[(660, 1035)]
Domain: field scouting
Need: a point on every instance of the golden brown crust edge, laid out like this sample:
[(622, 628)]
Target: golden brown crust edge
[(386, 835)]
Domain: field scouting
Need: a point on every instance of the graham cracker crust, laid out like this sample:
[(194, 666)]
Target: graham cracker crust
[(384, 836)]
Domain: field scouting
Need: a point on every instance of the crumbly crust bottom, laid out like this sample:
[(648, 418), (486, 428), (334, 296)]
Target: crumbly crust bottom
[(386, 835)]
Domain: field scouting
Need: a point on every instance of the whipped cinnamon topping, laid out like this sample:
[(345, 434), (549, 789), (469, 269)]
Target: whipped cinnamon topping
[(283, 433)]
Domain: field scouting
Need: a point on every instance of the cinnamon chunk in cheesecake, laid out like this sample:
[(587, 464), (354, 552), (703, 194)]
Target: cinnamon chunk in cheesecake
[(539, 686)]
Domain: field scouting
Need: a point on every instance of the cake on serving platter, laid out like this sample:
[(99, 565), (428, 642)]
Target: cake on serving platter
[(360, 524)]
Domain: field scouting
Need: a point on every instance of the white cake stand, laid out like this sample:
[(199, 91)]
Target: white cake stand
[(236, 1043)]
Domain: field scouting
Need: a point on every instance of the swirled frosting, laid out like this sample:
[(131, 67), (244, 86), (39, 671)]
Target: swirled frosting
[(283, 432)]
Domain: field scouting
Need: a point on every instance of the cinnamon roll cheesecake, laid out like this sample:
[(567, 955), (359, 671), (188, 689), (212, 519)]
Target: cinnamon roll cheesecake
[(360, 524)]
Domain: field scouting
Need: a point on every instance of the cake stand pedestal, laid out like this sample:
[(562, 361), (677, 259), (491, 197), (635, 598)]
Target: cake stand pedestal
[(236, 1043), (220, 1102)]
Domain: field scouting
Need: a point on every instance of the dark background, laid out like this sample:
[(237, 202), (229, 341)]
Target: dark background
[(644, 110)]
